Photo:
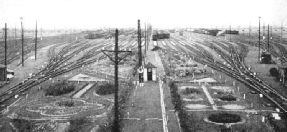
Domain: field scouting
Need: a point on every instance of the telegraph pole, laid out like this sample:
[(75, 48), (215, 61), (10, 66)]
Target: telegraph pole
[(116, 60), (5, 30), (139, 51), (36, 42), (139, 44), (230, 32), (22, 34), (145, 40), (268, 38), (259, 42), (15, 36), (281, 31), (263, 29), (249, 33)]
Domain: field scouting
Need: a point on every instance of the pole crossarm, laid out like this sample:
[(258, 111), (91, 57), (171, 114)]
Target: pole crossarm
[(120, 58)]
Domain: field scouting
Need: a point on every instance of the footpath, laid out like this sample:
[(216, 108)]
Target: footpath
[(147, 110)]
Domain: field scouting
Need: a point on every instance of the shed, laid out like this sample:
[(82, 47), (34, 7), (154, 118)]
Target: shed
[(3, 72), (266, 58), (149, 72)]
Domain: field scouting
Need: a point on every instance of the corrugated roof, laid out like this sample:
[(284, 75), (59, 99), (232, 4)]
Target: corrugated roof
[(149, 65)]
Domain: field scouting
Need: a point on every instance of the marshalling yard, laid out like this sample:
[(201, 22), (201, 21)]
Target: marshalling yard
[(200, 82)]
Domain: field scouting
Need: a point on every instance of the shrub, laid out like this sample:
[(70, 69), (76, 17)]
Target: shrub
[(228, 98), (105, 89), (191, 91), (224, 118), (68, 103), (274, 72), (59, 89)]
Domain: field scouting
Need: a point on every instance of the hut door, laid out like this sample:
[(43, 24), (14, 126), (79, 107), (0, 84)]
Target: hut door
[(149, 74)]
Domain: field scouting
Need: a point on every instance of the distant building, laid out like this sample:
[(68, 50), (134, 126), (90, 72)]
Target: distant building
[(266, 58), (231, 32)]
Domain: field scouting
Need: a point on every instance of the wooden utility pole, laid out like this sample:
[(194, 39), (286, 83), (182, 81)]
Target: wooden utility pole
[(140, 51), (259, 42), (5, 39), (249, 33), (15, 36), (36, 42), (268, 39), (145, 40), (281, 32), (263, 29), (22, 34), (116, 60), (139, 44), (230, 32)]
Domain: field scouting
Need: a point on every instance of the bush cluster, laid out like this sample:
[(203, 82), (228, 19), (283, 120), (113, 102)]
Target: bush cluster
[(59, 89), (68, 103), (228, 97), (191, 91), (224, 118), (105, 89)]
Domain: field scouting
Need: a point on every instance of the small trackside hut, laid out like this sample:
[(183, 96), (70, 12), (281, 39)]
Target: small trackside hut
[(149, 72)]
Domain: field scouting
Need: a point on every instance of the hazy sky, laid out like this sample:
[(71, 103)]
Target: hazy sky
[(124, 13)]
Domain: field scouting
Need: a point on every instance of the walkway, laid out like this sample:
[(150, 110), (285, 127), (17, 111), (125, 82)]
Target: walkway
[(85, 89), (147, 111)]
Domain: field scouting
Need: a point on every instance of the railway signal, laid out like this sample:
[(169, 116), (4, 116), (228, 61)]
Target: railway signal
[(116, 60)]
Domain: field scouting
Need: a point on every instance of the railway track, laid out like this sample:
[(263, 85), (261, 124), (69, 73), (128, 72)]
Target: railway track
[(58, 65), (233, 66)]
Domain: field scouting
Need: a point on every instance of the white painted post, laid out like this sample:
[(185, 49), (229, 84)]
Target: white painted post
[(243, 96), (263, 119)]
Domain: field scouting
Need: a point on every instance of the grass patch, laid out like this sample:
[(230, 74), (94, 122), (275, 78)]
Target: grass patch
[(59, 89), (23, 125), (77, 124)]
